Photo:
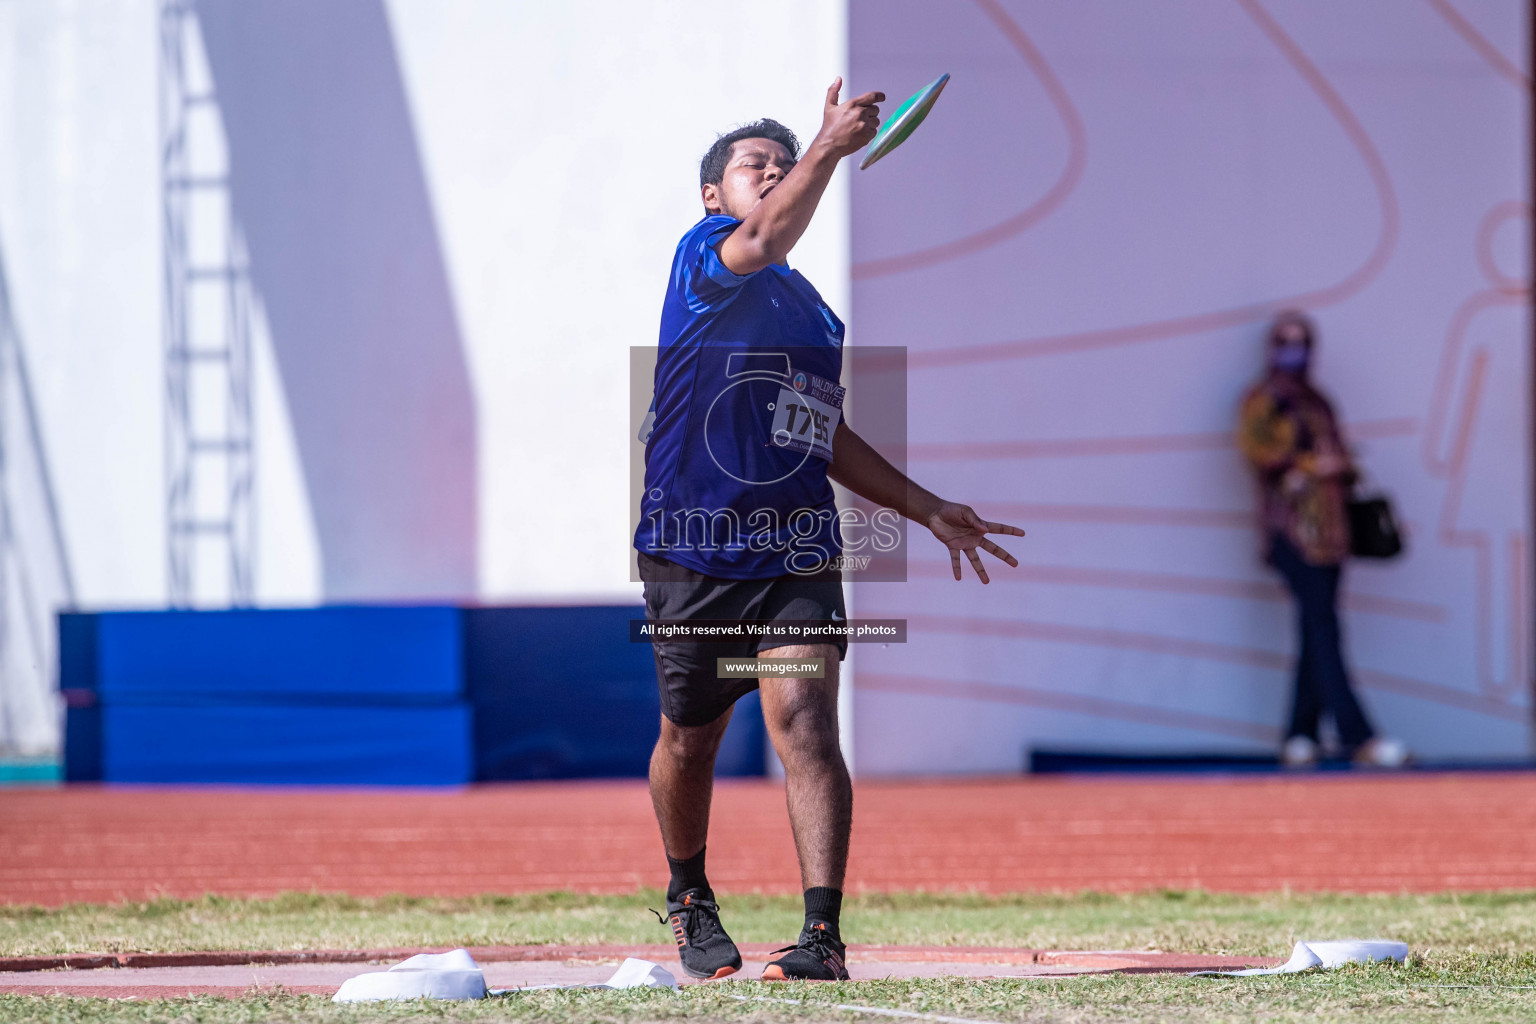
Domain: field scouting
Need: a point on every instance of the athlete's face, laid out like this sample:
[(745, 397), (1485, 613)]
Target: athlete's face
[(755, 168)]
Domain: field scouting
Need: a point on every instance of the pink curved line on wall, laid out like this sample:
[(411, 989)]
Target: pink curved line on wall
[(1069, 447), (1434, 693), (1515, 652), (1351, 285), (1356, 281), (1462, 443), (1133, 515), (1127, 515), (1479, 42), (1519, 597), (1152, 444), (1077, 159), (1491, 222), (1445, 378), (1452, 467), (1481, 545), (1097, 707), (1176, 583), (1202, 650), (1093, 636)]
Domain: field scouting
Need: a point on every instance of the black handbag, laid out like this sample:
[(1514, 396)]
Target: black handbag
[(1373, 529)]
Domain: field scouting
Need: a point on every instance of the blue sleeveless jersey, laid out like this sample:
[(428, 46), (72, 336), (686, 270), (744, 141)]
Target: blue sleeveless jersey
[(746, 403)]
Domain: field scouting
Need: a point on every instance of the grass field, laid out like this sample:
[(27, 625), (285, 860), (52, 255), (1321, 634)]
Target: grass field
[(1470, 952)]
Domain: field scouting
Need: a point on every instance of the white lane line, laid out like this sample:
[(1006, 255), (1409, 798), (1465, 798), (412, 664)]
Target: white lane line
[(880, 1010)]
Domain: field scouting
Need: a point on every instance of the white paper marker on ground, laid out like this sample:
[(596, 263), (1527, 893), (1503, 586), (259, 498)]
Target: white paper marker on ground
[(632, 973), (1308, 955), (455, 975), (451, 975)]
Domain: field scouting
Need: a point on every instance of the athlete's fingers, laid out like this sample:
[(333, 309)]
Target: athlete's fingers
[(988, 546), (1012, 531), (981, 570), (832, 91), (954, 560), (868, 99)]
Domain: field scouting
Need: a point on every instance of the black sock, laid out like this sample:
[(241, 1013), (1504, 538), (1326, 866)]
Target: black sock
[(824, 905), (688, 874)]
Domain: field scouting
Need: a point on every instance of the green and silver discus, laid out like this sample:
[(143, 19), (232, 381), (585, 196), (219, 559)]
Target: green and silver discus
[(904, 122)]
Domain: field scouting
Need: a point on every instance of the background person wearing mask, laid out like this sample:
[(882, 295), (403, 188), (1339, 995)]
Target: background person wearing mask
[(1292, 439)]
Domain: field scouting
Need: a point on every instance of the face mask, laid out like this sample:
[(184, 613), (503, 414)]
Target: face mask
[(1291, 358)]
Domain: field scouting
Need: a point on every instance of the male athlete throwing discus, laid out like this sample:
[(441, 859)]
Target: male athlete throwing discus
[(738, 520)]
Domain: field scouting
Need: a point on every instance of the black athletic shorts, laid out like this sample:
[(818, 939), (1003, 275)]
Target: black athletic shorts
[(691, 694)]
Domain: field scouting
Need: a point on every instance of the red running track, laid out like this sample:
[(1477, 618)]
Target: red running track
[(1343, 833)]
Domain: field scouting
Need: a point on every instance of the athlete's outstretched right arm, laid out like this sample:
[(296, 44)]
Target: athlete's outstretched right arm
[(773, 228)]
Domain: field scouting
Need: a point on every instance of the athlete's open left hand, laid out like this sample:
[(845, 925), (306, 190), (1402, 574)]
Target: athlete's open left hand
[(961, 529)]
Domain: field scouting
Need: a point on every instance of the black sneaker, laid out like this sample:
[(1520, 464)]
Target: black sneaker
[(702, 945), (819, 956)]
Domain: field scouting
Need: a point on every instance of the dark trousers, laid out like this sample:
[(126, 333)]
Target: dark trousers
[(1322, 682)]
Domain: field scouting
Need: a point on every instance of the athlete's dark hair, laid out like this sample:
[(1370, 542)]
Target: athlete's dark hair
[(712, 167)]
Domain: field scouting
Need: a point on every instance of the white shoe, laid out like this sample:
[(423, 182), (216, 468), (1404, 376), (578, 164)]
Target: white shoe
[(1299, 752), (1382, 752)]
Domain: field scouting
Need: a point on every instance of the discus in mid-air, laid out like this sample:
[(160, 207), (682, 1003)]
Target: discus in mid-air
[(904, 122)]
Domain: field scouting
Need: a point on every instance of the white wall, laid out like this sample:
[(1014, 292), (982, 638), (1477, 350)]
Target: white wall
[(79, 216), (80, 237), (560, 144), (1081, 247)]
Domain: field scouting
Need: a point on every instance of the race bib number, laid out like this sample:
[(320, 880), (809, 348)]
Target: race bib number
[(806, 415)]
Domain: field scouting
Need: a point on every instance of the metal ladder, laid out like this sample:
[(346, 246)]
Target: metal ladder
[(210, 472)]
